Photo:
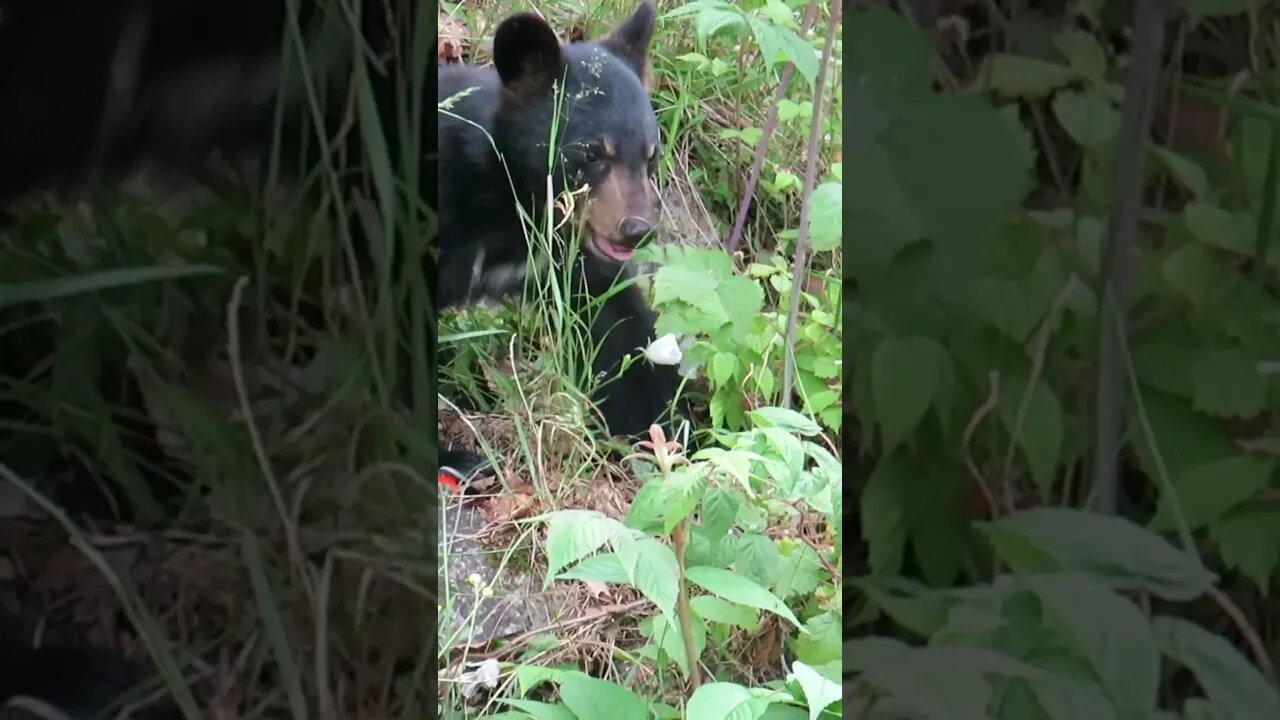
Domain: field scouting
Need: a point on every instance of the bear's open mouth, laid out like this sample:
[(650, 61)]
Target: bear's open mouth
[(610, 249)]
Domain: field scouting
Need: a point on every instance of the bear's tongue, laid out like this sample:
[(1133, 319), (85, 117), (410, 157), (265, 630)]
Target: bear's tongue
[(614, 251)]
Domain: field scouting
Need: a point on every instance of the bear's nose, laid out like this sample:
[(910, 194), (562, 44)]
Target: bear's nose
[(632, 229)]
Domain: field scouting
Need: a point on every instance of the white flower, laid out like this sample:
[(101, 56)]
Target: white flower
[(664, 351)]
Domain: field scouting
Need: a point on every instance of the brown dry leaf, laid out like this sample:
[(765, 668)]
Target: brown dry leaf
[(506, 508)]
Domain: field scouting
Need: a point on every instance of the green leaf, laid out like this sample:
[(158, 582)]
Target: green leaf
[(904, 376), (1084, 53), (1088, 117), (1112, 634), (888, 56), (718, 511), (923, 612), (1072, 698), (1041, 433), (602, 567), (824, 641), (538, 710), (1226, 383), (1195, 271), (575, 534), (883, 509), (726, 701), (779, 44), (800, 570), (938, 682), (1220, 228), (680, 495), (1117, 550), (961, 165), (1206, 492), (757, 558), (1021, 77), (1233, 685), (826, 208), (735, 588), (713, 609), (652, 569), (881, 218), (594, 699), (1188, 174), (784, 419), (819, 692), (1183, 437), (723, 366), (1248, 540)]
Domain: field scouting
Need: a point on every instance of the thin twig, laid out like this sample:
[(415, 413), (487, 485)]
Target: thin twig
[(770, 124), (810, 178)]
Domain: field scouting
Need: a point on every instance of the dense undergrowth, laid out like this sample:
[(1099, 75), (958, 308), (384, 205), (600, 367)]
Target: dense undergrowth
[(997, 167)]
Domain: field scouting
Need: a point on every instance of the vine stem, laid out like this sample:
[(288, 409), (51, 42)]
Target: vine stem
[(762, 145), (810, 178)]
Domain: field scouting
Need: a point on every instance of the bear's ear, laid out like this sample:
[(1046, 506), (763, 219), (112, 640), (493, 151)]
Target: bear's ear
[(630, 40), (527, 53)]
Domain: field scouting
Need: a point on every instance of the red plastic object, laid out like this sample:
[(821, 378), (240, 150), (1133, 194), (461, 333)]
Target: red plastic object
[(448, 481)]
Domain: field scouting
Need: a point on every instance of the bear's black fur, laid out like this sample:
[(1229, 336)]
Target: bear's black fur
[(590, 99)]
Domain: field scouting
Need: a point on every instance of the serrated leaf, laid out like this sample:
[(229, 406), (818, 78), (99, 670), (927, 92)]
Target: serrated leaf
[(652, 569), (603, 567), (1184, 438), (826, 213), (1206, 492), (1115, 549), (1021, 77), (1226, 383), (780, 44), (575, 534), (1088, 117), (1112, 634), (1231, 683), (800, 570), (824, 641), (904, 376), (961, 165), (1248, 540), (680, 495), (1194, 271), (757, 558)]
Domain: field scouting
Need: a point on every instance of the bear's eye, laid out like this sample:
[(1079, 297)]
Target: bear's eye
[(653, 160)]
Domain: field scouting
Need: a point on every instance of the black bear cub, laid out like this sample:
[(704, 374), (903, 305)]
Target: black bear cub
[(580, 113)]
